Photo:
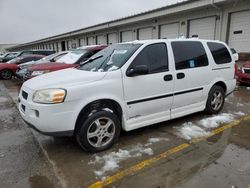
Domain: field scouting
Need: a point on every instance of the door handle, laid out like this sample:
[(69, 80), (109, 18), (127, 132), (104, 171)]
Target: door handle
[(168, 77), (180, 75)]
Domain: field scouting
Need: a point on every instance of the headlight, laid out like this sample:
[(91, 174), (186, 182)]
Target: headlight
[(37, 73), (49, 96)]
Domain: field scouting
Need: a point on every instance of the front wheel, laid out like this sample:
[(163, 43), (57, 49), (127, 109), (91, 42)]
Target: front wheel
[(6, 74), (99, 131), (215, 101)]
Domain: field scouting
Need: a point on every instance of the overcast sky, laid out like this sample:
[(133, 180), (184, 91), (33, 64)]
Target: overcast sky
[(28, 20)]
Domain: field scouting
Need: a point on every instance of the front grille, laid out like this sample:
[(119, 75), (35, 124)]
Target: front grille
[(247, 71), (25, 95)]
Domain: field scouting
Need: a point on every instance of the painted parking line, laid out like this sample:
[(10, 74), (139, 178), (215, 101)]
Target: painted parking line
[(148, 162)]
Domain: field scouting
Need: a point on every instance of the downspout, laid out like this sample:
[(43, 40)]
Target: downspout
[(221, 17)]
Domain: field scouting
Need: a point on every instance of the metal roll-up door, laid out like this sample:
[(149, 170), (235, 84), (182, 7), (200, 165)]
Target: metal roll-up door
[(91, 41), (145, 33), (239, 31), (203, 28), (168, 31), (126, 36), (112, 38), (101, 39), (82, 42)]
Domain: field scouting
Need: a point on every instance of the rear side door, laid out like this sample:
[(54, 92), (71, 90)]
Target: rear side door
[(191, 77), (149, 97)]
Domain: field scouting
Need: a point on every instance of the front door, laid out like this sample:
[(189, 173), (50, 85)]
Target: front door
[(149, 96)]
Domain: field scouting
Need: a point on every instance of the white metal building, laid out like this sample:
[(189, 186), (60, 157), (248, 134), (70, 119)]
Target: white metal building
[(225, 20)]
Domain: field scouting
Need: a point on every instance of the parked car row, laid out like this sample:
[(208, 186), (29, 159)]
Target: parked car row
[(126, 86), (70, 60), (29, 65), (11, 55), (7, 70)]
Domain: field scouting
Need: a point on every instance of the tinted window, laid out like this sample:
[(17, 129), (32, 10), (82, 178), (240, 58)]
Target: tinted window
[(219, 52), (154, 56), (189, 54)]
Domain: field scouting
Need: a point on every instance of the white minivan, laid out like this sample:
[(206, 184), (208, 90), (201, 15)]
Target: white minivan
[(128, 86)]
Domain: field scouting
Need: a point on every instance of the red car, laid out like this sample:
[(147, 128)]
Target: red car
[(70, 60), (243, 73), (7, 70)]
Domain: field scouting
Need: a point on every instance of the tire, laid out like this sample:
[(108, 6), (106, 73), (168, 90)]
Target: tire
[(6, 74), (215, 100), (93, 136)]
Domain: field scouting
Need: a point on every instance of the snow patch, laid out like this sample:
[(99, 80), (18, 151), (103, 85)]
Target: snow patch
[(239, 113), (154, 140), (189, 131), (112, 160), (113, 68), (239, 104), (215, 121)]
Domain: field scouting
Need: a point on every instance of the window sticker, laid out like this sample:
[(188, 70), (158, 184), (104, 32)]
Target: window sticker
[(191, 63)]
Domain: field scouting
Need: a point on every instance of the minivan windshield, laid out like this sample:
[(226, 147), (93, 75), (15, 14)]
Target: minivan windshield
[(72, 57), (110, 58)]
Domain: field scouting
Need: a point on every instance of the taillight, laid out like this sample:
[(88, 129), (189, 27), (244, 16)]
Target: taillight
[(235, 71)]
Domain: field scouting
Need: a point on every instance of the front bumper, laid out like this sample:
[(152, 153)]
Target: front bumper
[(52, 119)]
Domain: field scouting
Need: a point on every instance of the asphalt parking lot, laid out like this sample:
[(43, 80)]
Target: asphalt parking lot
[(193, 151)]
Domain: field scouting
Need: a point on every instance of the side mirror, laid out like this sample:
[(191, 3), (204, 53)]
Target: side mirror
[(137, 70)]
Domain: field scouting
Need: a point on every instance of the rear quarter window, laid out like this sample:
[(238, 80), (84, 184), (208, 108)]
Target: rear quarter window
[(189, 54), (219, 52)]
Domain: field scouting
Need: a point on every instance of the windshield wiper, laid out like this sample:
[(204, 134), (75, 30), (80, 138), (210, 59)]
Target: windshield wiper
[(106, 59), (90, 60)]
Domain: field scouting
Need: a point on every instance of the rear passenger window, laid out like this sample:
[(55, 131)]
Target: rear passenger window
[(189, 54), (219, 52), (154, 56)]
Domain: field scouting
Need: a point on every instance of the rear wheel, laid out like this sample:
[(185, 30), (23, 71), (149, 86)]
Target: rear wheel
[(6, 74), (216, 99), (99, 131)]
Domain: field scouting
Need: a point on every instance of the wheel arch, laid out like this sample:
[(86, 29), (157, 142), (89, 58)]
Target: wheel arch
[(97, 105), (221, 84)]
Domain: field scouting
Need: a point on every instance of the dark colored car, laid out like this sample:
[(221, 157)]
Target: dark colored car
[(70, 60), (23, 68), (7, 70), (29, 52), (243, 73)]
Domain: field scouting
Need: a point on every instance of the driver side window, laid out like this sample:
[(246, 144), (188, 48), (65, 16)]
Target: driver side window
[(154, 56)]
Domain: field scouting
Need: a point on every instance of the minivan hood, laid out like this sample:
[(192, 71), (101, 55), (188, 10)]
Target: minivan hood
[(63, 78)]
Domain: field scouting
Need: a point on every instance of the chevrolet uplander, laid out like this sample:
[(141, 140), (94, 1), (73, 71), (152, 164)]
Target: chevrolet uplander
[(128, 86)]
